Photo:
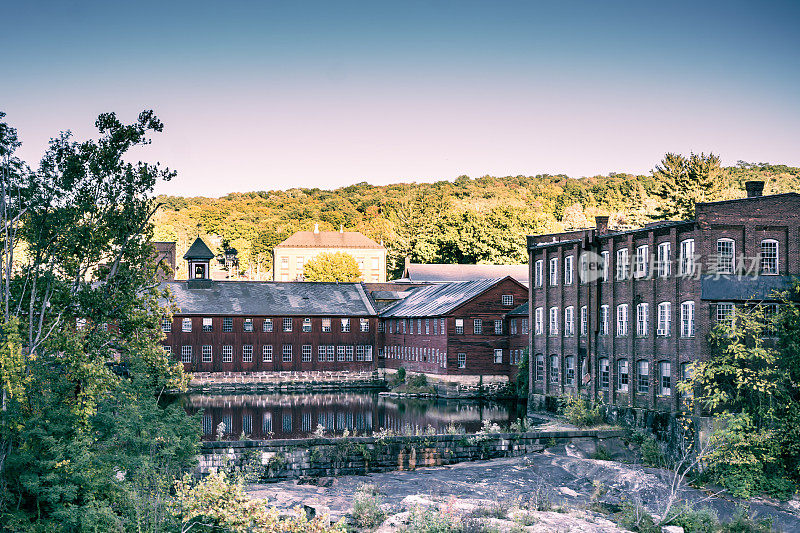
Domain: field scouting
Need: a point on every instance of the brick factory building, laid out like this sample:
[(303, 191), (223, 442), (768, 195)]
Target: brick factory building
[(621, 315)]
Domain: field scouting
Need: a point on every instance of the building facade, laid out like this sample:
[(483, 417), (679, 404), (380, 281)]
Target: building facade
[(621, 315)]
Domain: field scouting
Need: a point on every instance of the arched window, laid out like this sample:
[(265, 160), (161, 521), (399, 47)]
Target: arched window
[(769, 257), (687, 319), (726, 254), (605, 374), (622, 375)]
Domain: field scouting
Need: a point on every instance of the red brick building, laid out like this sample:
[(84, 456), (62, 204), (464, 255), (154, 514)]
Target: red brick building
[(620, 315)]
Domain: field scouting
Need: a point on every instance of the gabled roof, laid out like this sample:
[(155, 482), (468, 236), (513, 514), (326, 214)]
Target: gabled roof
[(199, 250), (443, 273), (271, 298), (439, 299), (521, 310), (329, 239)]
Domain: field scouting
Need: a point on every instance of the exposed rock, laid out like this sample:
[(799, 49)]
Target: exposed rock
[(672, 529)]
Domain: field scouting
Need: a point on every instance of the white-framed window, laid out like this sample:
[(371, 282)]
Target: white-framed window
[(498, 327), (381, 326), (538, 321), (604, 312), (623, 264), (287, 324), (247, 324), (186, 324), (726, 254), (459, 326), (554, 369), (643, 376), (498, 355), (166, 324), (642, 319), (569, 321), (306, 325), (524, 326), (167, 350), (227, 353), (687, 319), (686, 261), (584, 321), (427, 326), (538, 273), (462, 360), (569, 366), (359, 352), (553, 321), (287, 353), (363, 324), (606, 261), (725, 313), (568, 272), (554, 271), (321, 353), (664, 260), (583, 268), (539, 367), (207, 353), (443, 328), (507, 299), (266, 353), (642, 263), (622, 375), (512, 326), (186, 354), (267, 325), (227, 324), (664, 319), (345, 325), (477, 326), (247, 353), (769, 257), (306, 353), (605, 374), (665, 378), (330, 349), (326, 325), (208, 324), (622, 320), (340, 353), (770, 312), (368, 352)]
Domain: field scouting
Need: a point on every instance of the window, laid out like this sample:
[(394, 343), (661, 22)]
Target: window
[(538, 273), (166, 324), (498, 327), (726, 250), (622, 375), (227, 353), (477, 326), (359, 352), (287, 353), (569, 321), (207, 353), (363, 324), (367, 352), (606, 260), (665, 382), (770, 312), (459, 326), (419, 326), (604, 374), (208, 324), (769, 257), (622, 320), (663, 260), (642, 265), (725, 314), (539, 367), (247, 424), (687, 319), (381, 326), (554, 321), (267, 326), (643, 376), (427, 326), (568, 274), (227, 324), (584, 321), (524, 326), (554, 271), (186, 354), (330, 349), (443, 330), (306, 353), (287, 324), (498, 355), (569, 365), (306, 325), (642, 319), (462, 360), (340, 353), (512, 326), (686, 264), (664, 319), (604, 320), (345, 325), (623, 264), (167, 351), (538, 317), (266, 353), (686, 375), (247, 353), (321, 353), (186, 324), (553, 369), (508, 299), (208, 425)]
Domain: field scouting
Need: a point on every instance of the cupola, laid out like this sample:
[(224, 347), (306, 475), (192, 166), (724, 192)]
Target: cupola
[(198, 256)]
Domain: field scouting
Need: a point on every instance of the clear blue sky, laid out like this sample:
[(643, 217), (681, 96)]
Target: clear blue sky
[(270, 95)]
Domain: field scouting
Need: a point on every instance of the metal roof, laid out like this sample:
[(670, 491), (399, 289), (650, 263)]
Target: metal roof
[(520, 310), (271, 298), (442, 273), (329, 239), (199, 250), (439, 299)]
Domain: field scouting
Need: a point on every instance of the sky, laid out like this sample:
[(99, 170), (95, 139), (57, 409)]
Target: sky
[(274, 95)]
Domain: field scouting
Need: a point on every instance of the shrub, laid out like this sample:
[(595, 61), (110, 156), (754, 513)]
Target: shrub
[(702, 520), (579, 411), (418, 381), (432, 520), (742, 523), (401, 374), (601, 454), (636, 518), (367, 510)]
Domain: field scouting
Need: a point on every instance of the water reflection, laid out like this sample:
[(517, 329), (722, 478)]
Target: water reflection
[(283, 416)]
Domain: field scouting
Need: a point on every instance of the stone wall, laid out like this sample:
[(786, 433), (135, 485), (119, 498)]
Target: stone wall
[(274, 460), (284, 381)]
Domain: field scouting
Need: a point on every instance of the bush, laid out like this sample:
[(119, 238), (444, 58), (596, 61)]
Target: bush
[(418, 381), (367, 507), (579, 411), (695, 520), (401, 374), (636, 518), (432, 520), (742, 523)]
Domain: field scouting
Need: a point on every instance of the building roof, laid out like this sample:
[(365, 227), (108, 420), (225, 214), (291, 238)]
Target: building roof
[(439, 299), (199, 250), (521, 310), (329, 239), (743, 288), (444, 273), (270, 298)]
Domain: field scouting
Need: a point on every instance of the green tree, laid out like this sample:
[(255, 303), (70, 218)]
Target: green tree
[(684, 182), (339, 266)]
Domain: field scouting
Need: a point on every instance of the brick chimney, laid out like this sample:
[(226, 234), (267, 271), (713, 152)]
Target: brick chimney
[(754, 188), (602, 224)]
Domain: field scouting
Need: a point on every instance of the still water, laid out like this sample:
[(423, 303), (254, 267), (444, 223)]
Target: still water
[(283, 416)]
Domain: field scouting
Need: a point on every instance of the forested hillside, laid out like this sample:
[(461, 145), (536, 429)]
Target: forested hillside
[(463, 221)]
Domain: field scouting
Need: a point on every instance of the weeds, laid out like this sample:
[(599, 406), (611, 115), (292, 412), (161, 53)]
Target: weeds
[(367, 510)]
